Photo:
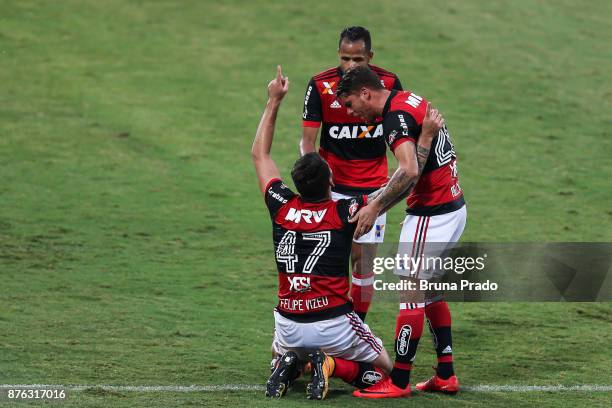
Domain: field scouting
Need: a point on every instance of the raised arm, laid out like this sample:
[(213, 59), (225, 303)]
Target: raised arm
[(260, 152), (411, 159)]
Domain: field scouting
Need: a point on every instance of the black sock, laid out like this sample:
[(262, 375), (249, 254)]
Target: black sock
[(368, 376), (445, 370), (400, 378), (443, 340)]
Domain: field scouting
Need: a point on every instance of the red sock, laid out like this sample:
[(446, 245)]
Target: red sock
[(408, 331), (345, 369), (439, 318), (362, 288)]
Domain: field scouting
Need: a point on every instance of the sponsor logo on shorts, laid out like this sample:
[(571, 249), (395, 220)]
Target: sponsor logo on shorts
[(403, 339), (371, 377)]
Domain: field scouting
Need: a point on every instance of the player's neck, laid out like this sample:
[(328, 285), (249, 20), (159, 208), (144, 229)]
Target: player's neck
[(380, 100)]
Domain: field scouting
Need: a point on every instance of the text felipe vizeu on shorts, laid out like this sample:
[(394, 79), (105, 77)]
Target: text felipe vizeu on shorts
[(536, 272)]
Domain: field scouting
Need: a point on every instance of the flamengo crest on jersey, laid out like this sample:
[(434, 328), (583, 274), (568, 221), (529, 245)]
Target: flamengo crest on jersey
[(355, 150)]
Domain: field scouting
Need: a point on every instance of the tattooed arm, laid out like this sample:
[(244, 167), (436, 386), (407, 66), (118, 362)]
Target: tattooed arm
[(411, 161), (422, 152)]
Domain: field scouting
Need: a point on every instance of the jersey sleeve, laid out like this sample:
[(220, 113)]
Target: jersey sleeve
[(400, 127), (277, 194), (397, 85), (349, 207), (313, 112)]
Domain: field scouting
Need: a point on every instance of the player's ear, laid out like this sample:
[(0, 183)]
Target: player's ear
[(365, 93), (370, 55)]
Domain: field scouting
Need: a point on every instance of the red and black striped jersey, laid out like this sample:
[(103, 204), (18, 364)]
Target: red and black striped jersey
[(312, 244), (437, 191), (355, 150)]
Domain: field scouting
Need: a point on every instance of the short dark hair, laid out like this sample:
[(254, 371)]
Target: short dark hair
[(310, 175), (356, 33), (356, 78)]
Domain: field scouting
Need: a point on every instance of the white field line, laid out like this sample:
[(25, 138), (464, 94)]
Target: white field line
[(255, 387)]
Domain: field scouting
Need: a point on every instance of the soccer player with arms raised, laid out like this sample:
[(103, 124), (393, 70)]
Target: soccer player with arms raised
[(436, 213), (354, 150), (312, 236)]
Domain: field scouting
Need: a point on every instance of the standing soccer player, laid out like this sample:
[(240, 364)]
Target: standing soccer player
[(436, 213), (354, 150)]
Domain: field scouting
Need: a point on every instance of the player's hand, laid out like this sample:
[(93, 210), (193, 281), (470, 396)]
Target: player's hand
[(278, 87), (432, 123), (365, 219)]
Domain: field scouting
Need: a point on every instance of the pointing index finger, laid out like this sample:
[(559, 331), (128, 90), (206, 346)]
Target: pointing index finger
[(279, 73)]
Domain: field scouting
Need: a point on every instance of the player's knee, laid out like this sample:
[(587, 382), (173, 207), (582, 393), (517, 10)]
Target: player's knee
[(433, 296), (412, 296)]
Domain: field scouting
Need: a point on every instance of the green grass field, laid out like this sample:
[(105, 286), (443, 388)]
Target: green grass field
[(134, 245)]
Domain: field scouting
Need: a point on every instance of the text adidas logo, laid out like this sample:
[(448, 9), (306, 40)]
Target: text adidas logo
[(335, 105), (447, 350)]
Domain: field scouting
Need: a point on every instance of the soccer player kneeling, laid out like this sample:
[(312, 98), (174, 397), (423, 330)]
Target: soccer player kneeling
[(314, 318)]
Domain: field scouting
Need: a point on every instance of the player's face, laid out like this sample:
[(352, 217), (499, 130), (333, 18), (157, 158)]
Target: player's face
[(353, 54), (358, 104)]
